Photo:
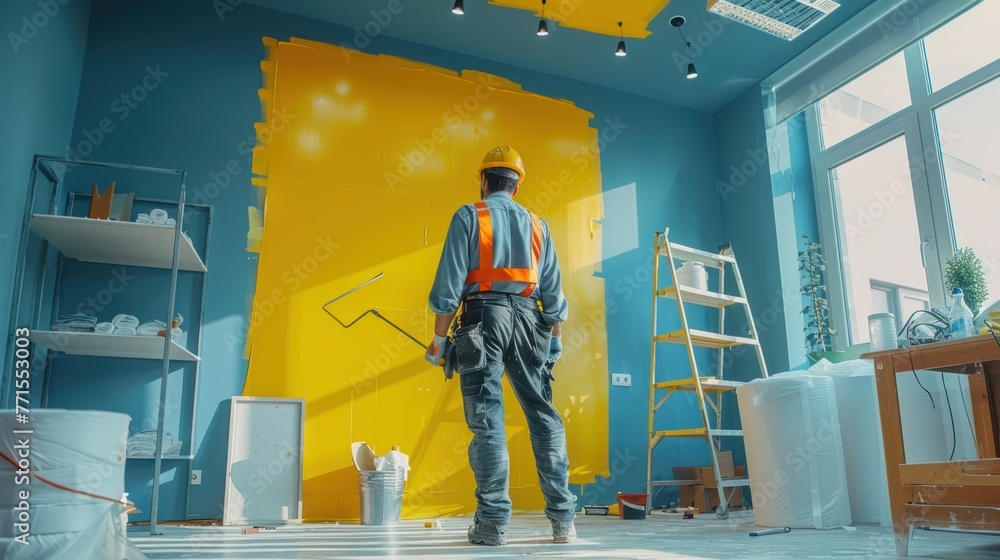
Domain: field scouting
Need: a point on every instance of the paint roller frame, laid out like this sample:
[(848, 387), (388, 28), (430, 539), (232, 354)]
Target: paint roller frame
[(372, 311)]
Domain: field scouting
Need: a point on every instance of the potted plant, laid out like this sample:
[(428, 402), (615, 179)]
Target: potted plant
[(812, 269), (965, 270)]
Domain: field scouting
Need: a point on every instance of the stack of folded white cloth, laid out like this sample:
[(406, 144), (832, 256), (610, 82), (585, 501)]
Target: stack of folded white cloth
[(125, 324), (129, 324), (75, 322), (156, 216), (143, 444)]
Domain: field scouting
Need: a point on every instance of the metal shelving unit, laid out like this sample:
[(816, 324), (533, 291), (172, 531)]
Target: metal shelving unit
[(75, 238)]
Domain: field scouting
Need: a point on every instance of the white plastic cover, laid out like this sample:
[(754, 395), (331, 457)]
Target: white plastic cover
[(861, 433), (795, 456), (82, 450)]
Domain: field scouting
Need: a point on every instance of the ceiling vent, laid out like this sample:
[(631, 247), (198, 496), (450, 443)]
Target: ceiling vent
[(785, 18)]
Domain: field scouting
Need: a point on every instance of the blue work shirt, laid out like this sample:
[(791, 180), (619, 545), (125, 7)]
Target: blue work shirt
[(511, 249)]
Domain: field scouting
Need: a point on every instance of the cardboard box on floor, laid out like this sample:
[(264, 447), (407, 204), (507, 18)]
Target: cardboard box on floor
[(705, 494)]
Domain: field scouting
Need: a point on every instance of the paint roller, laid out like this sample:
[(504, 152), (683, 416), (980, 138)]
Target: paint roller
[(371, 311), (444, 362)]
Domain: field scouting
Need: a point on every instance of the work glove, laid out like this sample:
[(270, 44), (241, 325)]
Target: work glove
[(555, 351), (435, 350)]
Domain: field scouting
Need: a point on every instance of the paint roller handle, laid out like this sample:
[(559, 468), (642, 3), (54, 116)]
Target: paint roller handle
[(770, 532)]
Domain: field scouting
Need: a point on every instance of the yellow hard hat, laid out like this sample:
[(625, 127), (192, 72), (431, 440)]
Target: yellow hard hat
[(504, 157)]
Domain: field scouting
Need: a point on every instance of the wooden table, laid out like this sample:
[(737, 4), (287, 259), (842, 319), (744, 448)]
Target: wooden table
[(949, 494)]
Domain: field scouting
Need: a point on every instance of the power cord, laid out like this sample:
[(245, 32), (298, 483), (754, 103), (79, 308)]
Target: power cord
[(913, 370), (993, 330), (939, 331), (951, 416)]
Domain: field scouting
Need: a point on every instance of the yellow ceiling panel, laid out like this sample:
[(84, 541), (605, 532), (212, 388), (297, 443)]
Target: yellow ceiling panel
[(596, 16)]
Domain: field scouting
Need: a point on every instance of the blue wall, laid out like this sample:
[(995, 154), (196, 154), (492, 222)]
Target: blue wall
[(748, 221), (41, 66), (198, 116)]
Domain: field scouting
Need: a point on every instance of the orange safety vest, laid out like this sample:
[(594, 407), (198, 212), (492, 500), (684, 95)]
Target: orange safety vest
[(487, 274)]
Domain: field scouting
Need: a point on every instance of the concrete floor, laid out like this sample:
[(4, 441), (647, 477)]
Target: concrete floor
[(662, 535)]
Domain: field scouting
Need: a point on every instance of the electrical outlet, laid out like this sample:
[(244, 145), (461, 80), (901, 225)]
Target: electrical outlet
[(195, 477), (621, 379)]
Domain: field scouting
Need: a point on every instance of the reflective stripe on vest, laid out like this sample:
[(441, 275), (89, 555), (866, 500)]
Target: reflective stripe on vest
[(487, 274)]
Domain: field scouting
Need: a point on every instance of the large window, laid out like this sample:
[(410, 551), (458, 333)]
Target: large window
[(907, 169)]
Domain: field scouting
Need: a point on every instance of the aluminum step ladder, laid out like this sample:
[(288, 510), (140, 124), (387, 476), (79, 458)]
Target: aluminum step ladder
[(709, 389)]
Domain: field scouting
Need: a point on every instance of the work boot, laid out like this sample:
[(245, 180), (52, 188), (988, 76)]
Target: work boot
[(487, 533), (563, 532)]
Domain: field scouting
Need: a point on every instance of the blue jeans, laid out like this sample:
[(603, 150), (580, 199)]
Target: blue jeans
[(515, 338)]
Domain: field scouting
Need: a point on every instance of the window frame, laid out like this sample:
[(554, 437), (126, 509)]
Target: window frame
[(917, 124)]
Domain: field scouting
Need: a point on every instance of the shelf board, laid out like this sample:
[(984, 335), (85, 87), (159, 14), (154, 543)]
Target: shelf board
[(682, 432), (683, 253), (110, 345), (701, 297), (706, 339), (165, 458), (708, 385), (112, 242), (663, 483)]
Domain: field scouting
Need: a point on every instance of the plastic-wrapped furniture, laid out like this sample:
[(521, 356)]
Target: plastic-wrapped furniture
[(857, 406), (77, 465), (795, 455)]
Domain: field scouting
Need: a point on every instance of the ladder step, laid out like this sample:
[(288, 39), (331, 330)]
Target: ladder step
[(726, 433), (684, 432), (705, 339), (683, 253), (734, 482), (701, 297), (708, 385), (656, 483)]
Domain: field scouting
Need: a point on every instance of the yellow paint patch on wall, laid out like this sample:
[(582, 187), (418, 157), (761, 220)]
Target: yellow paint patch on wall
[(596, 17), (367, 159)]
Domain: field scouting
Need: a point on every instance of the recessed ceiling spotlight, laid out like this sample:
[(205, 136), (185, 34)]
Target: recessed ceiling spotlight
[(459, 8)]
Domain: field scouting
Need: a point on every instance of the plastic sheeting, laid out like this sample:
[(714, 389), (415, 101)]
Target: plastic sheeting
[(794, 452), (861, 433), (81, 450)]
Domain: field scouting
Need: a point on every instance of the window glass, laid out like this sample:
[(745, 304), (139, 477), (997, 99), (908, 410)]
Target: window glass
[(868, 99), (964, 45), (969, 139), (877, 225)]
